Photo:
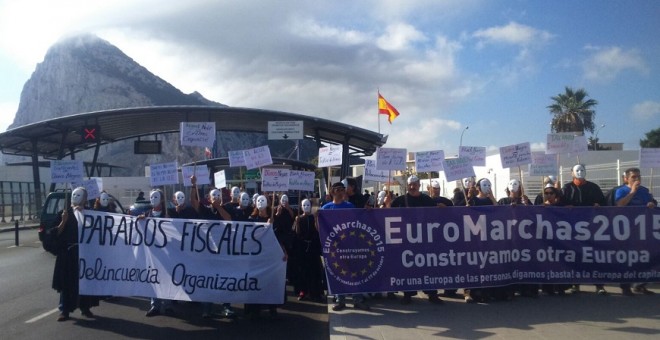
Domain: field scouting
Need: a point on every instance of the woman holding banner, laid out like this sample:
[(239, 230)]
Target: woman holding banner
[(65, 273), (307, 245)]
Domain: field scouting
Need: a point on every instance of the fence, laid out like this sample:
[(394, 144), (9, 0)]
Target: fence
[(17, 201)]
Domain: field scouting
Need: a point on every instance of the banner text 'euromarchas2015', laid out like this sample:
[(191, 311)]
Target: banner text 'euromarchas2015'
[(180, 259), (379, 250)]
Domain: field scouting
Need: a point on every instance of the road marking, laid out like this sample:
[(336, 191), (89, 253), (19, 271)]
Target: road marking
[(39, 317)]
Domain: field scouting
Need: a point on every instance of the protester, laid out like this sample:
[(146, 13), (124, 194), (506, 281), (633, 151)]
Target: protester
[(338, 192), (464, 194), (283, 228), (307, 247), (415, 198), (353, 194), (65, 273), (552, 198), (540, 198), (633, 193), (582, 193), (104, 203), (434, 191)]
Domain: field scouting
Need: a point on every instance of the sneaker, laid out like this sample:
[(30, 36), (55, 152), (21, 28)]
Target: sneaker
[(228, 313), (468, 299), (643, 290), (63, 317), (406, 300), (361, 306), (338, 306), (601, 292), (435, 300), (301, 296), (87, 313), (627, 292), (153, 312)]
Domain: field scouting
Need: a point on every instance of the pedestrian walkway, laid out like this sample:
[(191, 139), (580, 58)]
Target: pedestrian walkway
[(585, 315)]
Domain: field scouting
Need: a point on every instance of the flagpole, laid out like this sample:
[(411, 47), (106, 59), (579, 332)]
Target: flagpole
[(378, 112)]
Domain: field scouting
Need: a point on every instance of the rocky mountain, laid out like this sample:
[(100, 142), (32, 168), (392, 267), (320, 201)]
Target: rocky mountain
[(85, 73)]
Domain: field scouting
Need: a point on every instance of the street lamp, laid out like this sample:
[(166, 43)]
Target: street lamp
[(461, 142), (596, 137)]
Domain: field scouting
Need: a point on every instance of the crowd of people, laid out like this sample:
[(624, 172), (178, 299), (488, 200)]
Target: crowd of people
[(297, 231)]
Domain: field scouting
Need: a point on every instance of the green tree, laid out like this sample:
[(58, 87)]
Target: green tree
[(572, 112), (652, 139)]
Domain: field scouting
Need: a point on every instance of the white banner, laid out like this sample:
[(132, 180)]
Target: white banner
[(236, 158), (373, 174), (197, 134), (201, 172), (301, 180), (180, 259), (330, 156), (274, 179), (475, 153), (515, 155), (257, 157), (66, 171), (391, 159), (427, 161), (649, 158)]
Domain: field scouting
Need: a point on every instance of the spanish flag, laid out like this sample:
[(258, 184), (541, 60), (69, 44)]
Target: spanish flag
[(385, 108)]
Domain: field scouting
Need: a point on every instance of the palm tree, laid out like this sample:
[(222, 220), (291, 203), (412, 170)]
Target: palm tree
[(571, 112)]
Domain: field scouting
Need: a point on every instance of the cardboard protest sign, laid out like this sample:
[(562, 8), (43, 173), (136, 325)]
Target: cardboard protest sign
[(427, 161), (330, 156), (197, 134), (391, 159)]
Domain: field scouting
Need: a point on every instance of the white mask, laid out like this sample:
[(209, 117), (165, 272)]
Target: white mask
[(514, 185), (254, 199), (78, 196), (155, 198), (180, 198), (579, 172), (284, 200), (104, 199), (484, 186), (468, 182), (381, 197), (262, 202), (307, 206), (245, 200), (216, 195), (235, 194)]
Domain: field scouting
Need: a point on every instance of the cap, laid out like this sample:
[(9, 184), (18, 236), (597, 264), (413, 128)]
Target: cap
[(549, 185), (435, 184), (412, 179)]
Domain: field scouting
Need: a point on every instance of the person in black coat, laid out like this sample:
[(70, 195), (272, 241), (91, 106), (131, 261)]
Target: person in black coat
[(65, 273)]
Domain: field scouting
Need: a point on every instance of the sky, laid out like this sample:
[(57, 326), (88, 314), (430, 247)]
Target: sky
[(473, 71)]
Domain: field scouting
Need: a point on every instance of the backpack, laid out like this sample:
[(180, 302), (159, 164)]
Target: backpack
[(51, 240)]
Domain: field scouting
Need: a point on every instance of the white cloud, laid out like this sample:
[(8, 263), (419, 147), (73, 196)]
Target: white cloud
[(512, 33), (646, 111), (399, 36), (7, 114), (605, 64)]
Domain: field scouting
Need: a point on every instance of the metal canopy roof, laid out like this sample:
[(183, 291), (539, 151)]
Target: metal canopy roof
[(48, 137)]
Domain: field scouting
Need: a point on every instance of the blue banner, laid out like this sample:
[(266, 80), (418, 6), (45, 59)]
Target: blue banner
[(403, 249)]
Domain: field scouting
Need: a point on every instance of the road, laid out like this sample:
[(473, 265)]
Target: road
[(28, 308)]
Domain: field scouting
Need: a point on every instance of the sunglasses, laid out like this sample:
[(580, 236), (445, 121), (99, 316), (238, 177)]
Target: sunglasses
[(548, 192)]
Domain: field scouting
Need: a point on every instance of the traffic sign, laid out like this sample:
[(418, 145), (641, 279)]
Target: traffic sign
[(285, 130)]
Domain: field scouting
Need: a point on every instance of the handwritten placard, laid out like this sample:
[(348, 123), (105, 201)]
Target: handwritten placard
[(649, 158), (93, 186), (201, 172), (427, 161), (579, 145), (163, 174), (543, 164), (457, 168), (66, 171), (236, 158), (476, 153), (257, 157), (373, 174), (559, 142), (330, 156), (515, 155), (391, 159), (219, 180), (197, 134), (275, 179), (301, 180)]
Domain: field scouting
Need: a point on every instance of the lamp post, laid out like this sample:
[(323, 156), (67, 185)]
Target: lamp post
[(461, 141), (596, 137)]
